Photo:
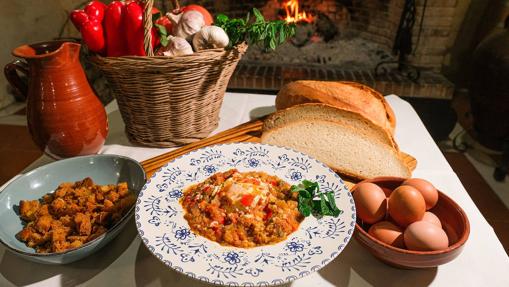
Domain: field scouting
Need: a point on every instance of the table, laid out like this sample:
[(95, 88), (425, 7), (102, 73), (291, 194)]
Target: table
[(126, 261)]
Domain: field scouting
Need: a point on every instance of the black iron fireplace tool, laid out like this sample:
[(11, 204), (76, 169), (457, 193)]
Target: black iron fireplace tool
[(403, 43)]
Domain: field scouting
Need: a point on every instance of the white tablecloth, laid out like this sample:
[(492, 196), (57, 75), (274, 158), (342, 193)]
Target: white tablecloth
[(126, 261)]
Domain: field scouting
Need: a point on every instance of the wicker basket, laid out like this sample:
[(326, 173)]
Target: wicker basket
[(169, 101)]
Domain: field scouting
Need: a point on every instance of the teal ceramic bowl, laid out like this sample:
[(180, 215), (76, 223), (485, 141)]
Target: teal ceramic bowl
[(103, 169)]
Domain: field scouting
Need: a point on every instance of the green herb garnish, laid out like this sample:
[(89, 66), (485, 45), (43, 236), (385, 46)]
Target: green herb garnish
[(255, 30), (311, 201), (163, 33)]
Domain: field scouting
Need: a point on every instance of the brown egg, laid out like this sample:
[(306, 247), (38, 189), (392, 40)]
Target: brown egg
[(425, 236), (428, 191), (406, 205), (370, 202), (432, 218), (388, 233)]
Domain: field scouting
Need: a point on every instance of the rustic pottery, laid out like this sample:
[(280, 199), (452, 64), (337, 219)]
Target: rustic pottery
[(452, 217), (65, 118)]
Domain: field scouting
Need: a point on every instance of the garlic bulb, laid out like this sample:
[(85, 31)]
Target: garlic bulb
[(186, 24), (210, 37), (176, 47)]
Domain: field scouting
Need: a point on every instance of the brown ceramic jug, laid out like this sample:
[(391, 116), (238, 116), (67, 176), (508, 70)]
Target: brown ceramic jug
[(65, 118)]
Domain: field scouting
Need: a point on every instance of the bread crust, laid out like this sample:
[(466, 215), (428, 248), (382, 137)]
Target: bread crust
[(342, 94)]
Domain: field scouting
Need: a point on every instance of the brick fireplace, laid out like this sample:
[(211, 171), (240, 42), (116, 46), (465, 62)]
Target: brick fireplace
[(365, 36)]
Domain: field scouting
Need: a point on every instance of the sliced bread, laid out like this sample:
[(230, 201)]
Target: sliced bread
[(308, 112), (340, 146), (346, 95)]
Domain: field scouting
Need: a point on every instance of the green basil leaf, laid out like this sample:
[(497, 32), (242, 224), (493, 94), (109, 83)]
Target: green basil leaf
[(304, 207), (305, 210), (324, 207), (332, 204), (161, 29), (304, 193), (336, 212), (282, 36), (317, 206), (311, 201), (331, 199), (164, 41), (259, 17), (255, 30), (295, 188), (222, 18), (309, 185)]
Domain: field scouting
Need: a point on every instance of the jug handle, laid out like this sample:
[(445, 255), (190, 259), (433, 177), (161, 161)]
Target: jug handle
[(11, 73)]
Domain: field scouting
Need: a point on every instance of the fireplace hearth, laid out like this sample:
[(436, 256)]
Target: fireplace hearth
[(346, 40)]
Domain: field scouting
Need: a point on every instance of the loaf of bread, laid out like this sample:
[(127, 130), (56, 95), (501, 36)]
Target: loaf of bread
[(312, 111), (344, 95), (344, 140)]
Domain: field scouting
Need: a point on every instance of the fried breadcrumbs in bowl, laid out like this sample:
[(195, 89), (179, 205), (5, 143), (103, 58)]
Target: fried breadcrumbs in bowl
[(64, 211)]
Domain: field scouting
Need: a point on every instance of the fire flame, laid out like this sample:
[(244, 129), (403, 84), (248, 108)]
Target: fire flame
[(293, 14)]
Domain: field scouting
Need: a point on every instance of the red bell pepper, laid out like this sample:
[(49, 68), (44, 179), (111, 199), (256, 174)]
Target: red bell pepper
[(93, 36), (78, 18), (123, 31), (95, 10), (134, 32), (116, 45), (247, 199), (88, 21)]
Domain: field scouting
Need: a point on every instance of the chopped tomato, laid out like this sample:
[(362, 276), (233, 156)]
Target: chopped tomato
[(247, 199), (268, 214), (218, 232), (275, 183)]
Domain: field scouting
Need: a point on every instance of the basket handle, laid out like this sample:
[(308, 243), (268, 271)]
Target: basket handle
[(147, 21)]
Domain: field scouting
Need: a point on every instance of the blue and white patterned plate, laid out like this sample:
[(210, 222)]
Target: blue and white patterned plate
[(161, 224)]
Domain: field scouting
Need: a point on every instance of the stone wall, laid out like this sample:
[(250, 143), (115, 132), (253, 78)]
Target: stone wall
[(438, 32)]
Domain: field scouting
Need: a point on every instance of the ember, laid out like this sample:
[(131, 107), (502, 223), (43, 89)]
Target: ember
[(293, 14)]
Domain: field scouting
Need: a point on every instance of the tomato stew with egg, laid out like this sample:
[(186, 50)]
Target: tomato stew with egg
[(242, 209)]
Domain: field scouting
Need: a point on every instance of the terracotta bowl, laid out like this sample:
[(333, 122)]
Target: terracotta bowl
[(453, 219)]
